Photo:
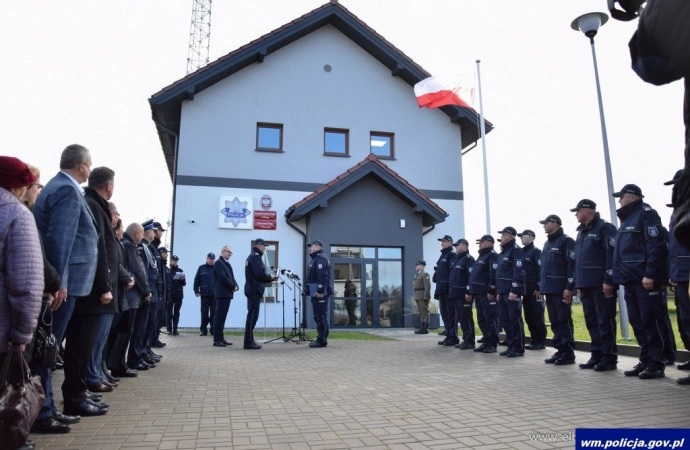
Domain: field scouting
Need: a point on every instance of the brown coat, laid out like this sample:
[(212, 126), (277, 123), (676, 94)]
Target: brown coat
[(422, 286)]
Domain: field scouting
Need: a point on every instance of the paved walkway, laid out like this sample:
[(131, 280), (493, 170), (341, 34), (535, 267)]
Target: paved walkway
[(403, 394)]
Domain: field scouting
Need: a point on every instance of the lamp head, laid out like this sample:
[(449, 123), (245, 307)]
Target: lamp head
[(589, 23)]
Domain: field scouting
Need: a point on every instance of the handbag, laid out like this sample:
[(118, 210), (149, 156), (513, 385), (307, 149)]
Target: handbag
[(44, 349), (20, 402)]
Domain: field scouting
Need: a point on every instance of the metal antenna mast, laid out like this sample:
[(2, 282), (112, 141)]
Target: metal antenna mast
[(199, 35)]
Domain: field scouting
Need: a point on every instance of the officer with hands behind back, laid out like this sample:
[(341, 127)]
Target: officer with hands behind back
[(320, 288)]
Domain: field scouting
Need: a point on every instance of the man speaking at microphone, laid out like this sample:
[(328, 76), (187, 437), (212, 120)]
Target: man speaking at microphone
[(254, 286)]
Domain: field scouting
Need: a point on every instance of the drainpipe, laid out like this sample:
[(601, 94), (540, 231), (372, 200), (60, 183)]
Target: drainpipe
[(288, 213)]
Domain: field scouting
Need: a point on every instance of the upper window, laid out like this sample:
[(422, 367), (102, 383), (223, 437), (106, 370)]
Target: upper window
[(269, 137), (336, 142), (381, 144)]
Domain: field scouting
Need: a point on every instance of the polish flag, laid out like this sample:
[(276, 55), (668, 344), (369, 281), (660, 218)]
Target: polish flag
[(433, 92)]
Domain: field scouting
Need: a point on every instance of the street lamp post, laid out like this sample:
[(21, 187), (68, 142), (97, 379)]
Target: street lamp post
[(589, 24)]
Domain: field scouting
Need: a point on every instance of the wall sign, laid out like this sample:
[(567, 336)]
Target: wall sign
[(235, 212)]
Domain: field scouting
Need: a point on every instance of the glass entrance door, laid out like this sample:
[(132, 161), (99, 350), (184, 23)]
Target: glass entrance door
[(368, 291)]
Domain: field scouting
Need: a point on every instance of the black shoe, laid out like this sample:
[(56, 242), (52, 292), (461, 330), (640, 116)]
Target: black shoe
[(490, 349), (589, 364), (480, 349), (603, 367), (635, 371), (481, 340), (219, 344), (458, 345), (50, 425), (504, 353), (170, 331), (555, 357), (158, 344), (451, 343), (443, 342), (465, 346), (535, 347), (503, 343), (317, 344), (650, 374), (154, 355), (256, 346), (83, 409), (127, 373), (203, 333), (29, 445), (684, 381), (684, 366), (149, 361), (226, 342), (62, 418), (515, 354), (668, 362), (97, 404), (443, 333), (565, 360), (141, 366), (93, 396), (175, 333)]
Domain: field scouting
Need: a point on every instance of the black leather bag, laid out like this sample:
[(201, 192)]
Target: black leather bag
[(44, 349), (20, 400)]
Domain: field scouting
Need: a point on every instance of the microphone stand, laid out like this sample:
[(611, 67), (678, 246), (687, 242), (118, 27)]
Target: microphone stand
[(298, 333), (282, 283)]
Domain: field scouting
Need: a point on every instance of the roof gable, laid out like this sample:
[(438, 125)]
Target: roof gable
[(432, 213), (166, 105)]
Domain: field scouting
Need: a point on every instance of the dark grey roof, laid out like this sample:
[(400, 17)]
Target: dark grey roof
[(166, 104)]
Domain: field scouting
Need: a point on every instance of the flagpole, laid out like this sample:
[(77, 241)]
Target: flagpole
[(483, 131)]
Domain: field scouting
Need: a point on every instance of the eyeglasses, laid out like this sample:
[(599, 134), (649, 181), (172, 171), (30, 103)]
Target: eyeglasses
[(40, 186)]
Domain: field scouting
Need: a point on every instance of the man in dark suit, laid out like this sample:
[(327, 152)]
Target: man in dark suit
[(70, 236), (225, 286)]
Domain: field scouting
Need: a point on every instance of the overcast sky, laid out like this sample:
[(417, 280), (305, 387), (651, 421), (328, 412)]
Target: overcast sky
[(82, 71)]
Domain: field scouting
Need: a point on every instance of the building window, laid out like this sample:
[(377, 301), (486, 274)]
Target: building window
[(381, 144), (336, 142), (269, 137), (270, 259)]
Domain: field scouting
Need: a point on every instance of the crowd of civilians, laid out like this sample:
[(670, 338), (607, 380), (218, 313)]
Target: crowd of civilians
[(70, 268)]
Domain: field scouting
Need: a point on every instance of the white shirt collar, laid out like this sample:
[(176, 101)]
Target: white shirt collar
[(81, 189)]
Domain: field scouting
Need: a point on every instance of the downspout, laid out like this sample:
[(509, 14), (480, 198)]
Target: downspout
[(174, 179), (288, 213)]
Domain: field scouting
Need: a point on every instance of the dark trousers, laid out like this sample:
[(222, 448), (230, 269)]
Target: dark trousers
[(172, 314), (443, 309), (511, 319), (320, 307), (452, 325), (119, 338), (533, 309), (561, 318), (670, 351), (222, 307), (600, 319), (645, 311), (253, 307), (160, 320), (683, 312), (463, 314), (350, 306), (136, 347), (80, 338), (490, 324), (208, 311), (151, 325)]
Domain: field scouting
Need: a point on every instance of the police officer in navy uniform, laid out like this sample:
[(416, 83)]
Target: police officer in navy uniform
[(204, 288), (532, 304), (557, 286), (639, 263), (320, 285), (457, 290), (594, 247), (482, 289), (177, 295), (679, 274), (510, 287), (441, 278), (254, 286)]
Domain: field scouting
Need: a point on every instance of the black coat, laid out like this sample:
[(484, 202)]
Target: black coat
[(136, 267), (224, 282), (177, 285)]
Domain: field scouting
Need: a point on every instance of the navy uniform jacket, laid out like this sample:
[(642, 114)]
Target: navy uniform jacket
[(641, 249), (594, 249), (483, 275), (532, 267), (319, 272), (223, 279), (255, 275), (510, 273), (150, 264), (442, 274), (162, 283), (678, 258), (460, 275), (203, 280), (177, 285), (136, 267), (557, 263), (168, 284)]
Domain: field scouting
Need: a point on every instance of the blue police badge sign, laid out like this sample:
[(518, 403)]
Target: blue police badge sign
[(518, 263), (234, 211), (653, 231)]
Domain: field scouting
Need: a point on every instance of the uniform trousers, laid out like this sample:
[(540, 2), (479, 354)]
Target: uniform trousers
[(118, 341), (136, 348), (646, 314), (453, 316), (490, 325), (320, 307), (561, 318), (423, 309), (172, 315), (669, 354), (80, 337), (208, 311), (511, 319), (600, 319), (151, 324), (533, 308), (443, 309), (253, 308), (683, 312), (463, 314), (222, 307)]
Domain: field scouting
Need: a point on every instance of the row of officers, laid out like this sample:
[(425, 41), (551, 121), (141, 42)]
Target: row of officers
[(642, 256)]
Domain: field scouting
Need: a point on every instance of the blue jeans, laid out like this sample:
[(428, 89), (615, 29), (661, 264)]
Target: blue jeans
[(48, 408), (222, 307), (94, 374)]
